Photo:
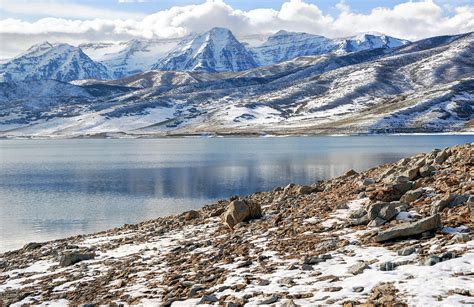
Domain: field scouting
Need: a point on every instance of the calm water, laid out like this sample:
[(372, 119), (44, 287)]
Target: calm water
[(55, 188)]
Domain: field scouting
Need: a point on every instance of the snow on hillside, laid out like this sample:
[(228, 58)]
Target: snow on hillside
[(61, 62)]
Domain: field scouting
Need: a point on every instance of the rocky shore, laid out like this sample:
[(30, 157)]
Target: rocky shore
[(397, 234)]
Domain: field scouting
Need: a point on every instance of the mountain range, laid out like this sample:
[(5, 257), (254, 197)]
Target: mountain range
[(212, 83), (217, 50)]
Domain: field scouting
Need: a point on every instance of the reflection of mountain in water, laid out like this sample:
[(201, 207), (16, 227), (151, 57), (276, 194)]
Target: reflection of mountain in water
[(202, 180)]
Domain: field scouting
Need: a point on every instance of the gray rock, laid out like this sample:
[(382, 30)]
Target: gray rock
[(367, 182), (364, 220), (304, 189), (427, 170), (407, 251), (461, 238), (351, 173), (358, 213), (432, 260), (411, 196), (403, 187), (191, 215), (239, 211), (207, 299), (74, 257), (377, 222), (307, 267), (388, 266), (32, 246), (409, 229), (288, 303), (286, 281), (357, 268), (389, 212), (382, 210), (357, 289), (263, 282), (442, 156), (470, 205), (271, 300), (374, 209), (412, 173), (451, 200)]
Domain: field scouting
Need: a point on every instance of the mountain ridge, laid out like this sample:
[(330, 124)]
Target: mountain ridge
[(426, 86)]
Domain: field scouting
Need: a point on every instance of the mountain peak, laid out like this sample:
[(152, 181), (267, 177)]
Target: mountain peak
[(217, 50)]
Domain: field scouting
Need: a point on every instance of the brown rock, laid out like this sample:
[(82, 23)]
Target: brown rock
[(409, 229)]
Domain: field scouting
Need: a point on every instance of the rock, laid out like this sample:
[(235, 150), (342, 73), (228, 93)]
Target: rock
[(388, 266), (403, 186), (461, 238), (304, 189), (3, 264), (406, 251), (351, 173), (442, 156), (411, 196), (271, 300), (389, 212), (364, 220), (412, 173), (288, 303), (332, 289), (286, 281), (382, 210), (207, 299), (74, 257), (357, 213), (357, 268), (377, 222), (357, 289), (307, 267), (367, 182), (217, 212), (241, 210), (191, 215), (32, 246), (263, 282), (409, 229), (432, 260), (470, 205), (450, 200), (427, 170)]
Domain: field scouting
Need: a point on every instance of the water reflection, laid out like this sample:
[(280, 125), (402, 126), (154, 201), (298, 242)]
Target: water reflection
[(55, 188)]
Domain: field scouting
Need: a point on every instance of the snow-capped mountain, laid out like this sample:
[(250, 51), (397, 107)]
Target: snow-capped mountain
[(214, 51), (425, 86), (284, 46), (132, 57), (61, 62)]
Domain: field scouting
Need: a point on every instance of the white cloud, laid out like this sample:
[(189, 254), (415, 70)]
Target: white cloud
[(411, 20), (63, 10)]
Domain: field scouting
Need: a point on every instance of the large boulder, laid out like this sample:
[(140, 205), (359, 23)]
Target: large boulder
[(241, 210), (411, 196), (383, 210), (409, 229), (451, 200), (71, 258)]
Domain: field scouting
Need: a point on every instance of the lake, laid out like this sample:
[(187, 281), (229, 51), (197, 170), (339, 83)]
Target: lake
[(56, 188)]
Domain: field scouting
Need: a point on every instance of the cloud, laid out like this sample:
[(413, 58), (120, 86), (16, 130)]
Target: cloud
[(64, 10), (410, 20)]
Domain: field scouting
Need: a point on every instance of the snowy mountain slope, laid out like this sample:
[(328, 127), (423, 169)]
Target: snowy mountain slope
[(427, 86), (284, 46), (214, 51), (132, 57), (61, 62)]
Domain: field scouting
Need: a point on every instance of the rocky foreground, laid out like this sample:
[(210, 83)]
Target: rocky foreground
[(396, 234)]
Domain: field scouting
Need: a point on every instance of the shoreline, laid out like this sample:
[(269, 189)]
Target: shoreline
[(236, 135), (312, 245)]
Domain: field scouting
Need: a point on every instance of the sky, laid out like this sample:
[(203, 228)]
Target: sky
[(27, 22)]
